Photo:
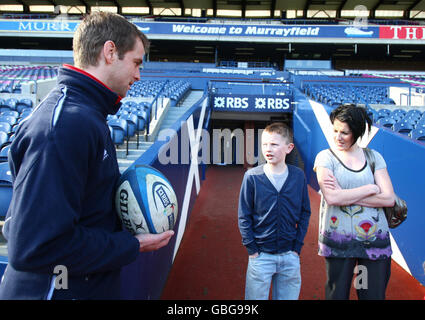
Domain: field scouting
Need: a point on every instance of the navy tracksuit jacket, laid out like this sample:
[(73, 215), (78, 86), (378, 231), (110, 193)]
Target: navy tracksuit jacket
[(62, 212)]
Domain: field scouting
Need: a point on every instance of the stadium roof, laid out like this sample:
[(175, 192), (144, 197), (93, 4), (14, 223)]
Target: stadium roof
[(400, 9)]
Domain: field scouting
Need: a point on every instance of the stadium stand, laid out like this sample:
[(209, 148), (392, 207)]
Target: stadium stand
[(380, 107), (334, 95)]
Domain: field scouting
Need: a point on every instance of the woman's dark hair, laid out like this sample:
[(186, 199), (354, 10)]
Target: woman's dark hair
[(355, 117)]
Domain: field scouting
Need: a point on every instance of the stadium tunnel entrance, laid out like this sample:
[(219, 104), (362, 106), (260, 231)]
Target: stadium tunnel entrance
[(236, 138)]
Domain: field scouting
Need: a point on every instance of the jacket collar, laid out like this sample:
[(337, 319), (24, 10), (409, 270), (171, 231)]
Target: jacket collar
[(95, 90)]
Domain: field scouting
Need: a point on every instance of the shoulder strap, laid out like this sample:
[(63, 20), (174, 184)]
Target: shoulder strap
[(370, 158)]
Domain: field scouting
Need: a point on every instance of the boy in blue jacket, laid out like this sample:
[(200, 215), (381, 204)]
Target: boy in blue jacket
[(64, 168), (274, 211)]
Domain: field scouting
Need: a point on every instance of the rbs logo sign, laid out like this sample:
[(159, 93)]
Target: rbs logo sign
[(252, 103), (272, 103), (231, 103)]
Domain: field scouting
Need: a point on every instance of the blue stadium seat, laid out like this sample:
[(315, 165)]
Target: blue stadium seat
[(4, 153), (141, 117), (5, 188), (125, 108), (147, 112), (17, 89), (386, 122), (25, 102), (132, 121), (121, 111), (11, 103), (5, 127), (8, 119), (3, 138), (129, 104), (418, 134), (407, 119), (143, 105), (11, 113), (414, 112), (111, 116), (6, 89), (420, 125), (25, 111), (398, 112), (403, 127), (130, 109), (119, 127), (23, 116), (372, 113), (384, 112)]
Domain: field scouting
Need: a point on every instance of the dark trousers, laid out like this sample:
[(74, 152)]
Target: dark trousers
[(371, 281)]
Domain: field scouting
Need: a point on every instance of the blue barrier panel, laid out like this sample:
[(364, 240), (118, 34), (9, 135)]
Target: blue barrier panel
[(146, 277), (305, 123), (405, 164), (302, 137)]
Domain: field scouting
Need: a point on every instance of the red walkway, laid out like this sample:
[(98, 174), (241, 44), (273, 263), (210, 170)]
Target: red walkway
[(211, 261)]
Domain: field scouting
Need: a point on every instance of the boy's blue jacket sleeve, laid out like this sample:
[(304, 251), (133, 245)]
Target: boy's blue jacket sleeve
[(304, 219), (245, 212)]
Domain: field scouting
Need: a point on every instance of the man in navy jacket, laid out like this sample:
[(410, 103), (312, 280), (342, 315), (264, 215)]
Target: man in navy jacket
[(65, 171)]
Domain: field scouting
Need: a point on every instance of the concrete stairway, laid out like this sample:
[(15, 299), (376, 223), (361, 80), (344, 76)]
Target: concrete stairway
[(173, 113)]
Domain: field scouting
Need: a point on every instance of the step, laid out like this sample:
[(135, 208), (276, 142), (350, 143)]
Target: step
[(132, 150), (123, 164), (132, 144), (132, 153), (173, 114)]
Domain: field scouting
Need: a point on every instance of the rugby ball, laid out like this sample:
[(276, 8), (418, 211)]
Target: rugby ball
[(146, 201)]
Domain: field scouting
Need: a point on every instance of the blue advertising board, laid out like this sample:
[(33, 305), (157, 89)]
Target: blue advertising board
[(202, 29), (252, 103), (47, 26), (279, 31), (350, 33)]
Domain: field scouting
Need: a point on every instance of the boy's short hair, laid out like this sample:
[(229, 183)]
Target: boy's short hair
[(99, 27), (282, 129)]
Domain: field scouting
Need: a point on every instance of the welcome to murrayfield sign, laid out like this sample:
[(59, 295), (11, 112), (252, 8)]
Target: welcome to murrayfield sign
[(223, 31)]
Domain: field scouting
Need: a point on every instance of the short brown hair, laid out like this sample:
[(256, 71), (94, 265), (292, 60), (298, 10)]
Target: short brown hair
[(99, 27), (282, 129)]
